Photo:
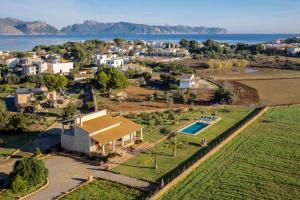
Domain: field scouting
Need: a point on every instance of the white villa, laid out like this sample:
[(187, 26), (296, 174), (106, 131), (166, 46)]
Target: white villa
[(99, 132), (187, 81), (116, 62), (60, 68), (100, 59), (45, 67)]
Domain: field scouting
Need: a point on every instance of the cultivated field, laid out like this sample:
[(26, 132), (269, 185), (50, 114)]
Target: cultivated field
[(141, 166), (138, 96), (277, 91), (254, 73), (102, 189), (260, 163)]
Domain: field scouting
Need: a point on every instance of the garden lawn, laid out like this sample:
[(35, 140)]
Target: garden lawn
[(106, 190), (141, 166), (15, 141), (263, 162)]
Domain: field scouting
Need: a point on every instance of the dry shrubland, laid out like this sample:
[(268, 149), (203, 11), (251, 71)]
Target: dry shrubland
[(227, 64)]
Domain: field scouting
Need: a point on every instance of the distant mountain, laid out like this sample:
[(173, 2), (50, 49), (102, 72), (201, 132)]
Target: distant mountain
[(90, 27), (11, 26)]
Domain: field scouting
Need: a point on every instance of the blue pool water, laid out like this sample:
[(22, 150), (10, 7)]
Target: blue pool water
[(193, 128)]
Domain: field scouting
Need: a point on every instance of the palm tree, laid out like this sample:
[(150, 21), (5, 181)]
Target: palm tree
[(174, 143), (153, 157)]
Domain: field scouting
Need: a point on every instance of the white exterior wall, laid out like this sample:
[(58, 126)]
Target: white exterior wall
[(88, 117), (100, 59), (186, 84), (29, 70), (12, 62), (80, 142), (43, 67), (60, 68), (117, 63)]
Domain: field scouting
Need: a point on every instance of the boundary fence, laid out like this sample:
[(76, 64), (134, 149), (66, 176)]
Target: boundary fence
[(173, 177)]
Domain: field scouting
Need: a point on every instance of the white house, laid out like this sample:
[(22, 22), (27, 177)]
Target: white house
[(293, 50), (99, 132), (187, 81), (60, 68), (9, 61), (115, 62), (99, 59), (30, 70)]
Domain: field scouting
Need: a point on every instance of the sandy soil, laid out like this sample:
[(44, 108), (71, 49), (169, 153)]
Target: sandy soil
[(277, 91)]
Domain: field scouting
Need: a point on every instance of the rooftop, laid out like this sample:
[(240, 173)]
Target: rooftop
[(106, 128)]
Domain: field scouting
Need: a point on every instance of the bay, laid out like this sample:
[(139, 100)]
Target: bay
[(27, 42)]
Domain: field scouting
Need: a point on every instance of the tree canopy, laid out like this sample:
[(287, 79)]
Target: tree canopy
[(28, 170), (110, 78), (54, 81)]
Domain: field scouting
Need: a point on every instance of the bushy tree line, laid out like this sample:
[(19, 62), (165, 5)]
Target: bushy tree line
[(214, 49), (80, 52), (224, 96), (17, 122)]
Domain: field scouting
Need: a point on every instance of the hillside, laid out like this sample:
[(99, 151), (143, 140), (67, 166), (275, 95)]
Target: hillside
[(90, 27), (11, 26)]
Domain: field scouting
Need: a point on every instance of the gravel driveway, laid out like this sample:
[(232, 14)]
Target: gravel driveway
[(66, 173)]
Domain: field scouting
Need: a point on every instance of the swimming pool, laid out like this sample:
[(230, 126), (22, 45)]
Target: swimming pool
[(193, 128)]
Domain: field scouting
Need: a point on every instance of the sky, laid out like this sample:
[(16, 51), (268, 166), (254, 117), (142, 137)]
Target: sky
[(237, 16)]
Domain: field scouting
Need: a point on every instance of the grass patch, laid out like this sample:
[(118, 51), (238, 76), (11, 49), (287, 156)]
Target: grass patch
[(140, 167), (260, 163), (8, 194), (15, 141), (102, 189)]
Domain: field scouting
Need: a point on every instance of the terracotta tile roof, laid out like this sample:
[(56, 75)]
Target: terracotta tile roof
[(125, 128), (98, 123)]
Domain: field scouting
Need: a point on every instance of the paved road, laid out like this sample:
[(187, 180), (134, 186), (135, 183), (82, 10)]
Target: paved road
[(66, 173)]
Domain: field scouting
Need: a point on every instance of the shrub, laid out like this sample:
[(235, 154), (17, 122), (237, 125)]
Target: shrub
[(19, 185), (163, 131), (139, 141), (224, 96), (31, 170), (37, 152)]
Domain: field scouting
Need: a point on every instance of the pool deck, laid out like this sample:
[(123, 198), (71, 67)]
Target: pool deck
[(203, 129)]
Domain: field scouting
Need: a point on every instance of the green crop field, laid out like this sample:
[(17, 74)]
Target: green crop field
[(141, 166), (106, 190), (263, 162)]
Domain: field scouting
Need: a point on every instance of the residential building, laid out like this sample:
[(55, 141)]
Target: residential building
[(115, 62), (293, 50), (60, 68), (29, 70), (187, 81), (182, 53), (10, 62), (100, 59), (99, 132), (25, 98)]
